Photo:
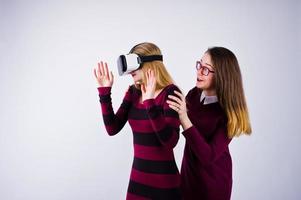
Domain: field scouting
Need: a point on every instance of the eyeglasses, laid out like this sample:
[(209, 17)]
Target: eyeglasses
[(204, 70)]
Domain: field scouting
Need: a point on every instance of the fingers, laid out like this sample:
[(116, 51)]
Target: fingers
[(152, 74), (98, 70), (173, 103), (177, 102), (106, 70), (150, 77), (102, 75), (180, 101), (180, 95), (147, 78), (174, 98), (173, 107), (101, 69)]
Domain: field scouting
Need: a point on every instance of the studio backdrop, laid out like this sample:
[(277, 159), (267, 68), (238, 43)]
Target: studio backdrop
[(53, 144)]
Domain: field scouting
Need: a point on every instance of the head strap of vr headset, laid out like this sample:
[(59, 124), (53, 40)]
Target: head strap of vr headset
[(143, 59)]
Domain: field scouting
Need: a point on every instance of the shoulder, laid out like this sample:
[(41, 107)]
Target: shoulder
[(132, 92), (132, 89), (194, 92), (171, 88)]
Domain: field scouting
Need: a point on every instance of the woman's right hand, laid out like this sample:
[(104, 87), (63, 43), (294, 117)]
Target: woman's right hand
[(102, 75), (178, 103)]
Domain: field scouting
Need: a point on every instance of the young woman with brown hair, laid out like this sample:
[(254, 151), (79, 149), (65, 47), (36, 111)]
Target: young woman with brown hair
[(212, 114)]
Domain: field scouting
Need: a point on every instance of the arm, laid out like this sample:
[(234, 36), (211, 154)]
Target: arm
[(164, 121), (113, 122), (207, 152)]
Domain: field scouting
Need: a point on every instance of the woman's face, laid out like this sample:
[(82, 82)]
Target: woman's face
[(205, 74), (137, 75)]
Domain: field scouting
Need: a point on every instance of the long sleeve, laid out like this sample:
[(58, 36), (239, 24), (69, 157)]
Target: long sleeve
[(164, 120), (208, 152), (113, 122)]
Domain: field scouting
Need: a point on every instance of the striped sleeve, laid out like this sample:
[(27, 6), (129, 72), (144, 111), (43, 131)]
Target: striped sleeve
[(113, 122), (164, 120)]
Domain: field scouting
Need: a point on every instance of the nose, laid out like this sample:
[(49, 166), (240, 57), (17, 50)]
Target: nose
[(200, 72)]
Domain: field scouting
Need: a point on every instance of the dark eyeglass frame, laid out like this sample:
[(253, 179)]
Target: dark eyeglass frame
[(204, 70)]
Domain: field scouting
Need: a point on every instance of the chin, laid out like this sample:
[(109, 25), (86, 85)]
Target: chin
[(137, 81), (198, 85)]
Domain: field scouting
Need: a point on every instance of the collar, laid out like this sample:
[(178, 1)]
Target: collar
[(208, 99)]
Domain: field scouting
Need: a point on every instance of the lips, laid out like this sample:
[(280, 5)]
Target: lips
[(199, 80)]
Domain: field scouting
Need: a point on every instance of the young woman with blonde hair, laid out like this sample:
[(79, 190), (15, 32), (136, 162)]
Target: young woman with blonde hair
[(213, 112), (155, 126)]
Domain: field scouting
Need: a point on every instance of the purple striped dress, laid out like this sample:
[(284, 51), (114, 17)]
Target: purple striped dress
[(155, 130)]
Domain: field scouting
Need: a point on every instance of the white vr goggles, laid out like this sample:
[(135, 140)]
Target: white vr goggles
[(131, 62)]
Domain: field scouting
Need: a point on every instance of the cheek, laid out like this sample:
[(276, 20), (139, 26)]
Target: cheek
[(138, 73), (211, 81), (140, 76)]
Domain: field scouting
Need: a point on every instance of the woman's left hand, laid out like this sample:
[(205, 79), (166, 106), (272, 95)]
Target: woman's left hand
[(148, 89)]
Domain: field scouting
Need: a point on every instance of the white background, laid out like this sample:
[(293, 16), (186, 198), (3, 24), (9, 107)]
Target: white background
[(53, 145)]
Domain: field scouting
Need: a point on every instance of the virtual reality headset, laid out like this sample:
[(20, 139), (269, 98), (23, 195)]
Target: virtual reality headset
[(131, 62)]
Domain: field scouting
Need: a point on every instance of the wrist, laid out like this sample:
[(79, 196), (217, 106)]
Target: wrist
[(147, 97), (183, 116), (104, 90), (185, 121)]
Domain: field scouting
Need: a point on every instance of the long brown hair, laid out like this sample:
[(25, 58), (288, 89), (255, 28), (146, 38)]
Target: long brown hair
[(162, 76), (229, 89)]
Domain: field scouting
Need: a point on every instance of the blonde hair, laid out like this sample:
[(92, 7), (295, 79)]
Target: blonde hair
[(163, 78), (229, 89)]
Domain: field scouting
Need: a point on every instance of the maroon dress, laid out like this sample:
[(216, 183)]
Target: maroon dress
[(155, 129), (206, 171)]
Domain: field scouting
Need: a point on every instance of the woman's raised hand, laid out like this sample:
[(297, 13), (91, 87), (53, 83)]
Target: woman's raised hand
[(148, 89), (102, 75)]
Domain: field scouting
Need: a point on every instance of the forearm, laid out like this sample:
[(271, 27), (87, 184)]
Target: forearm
[(207, 152), (113, 122), (185, 121), (165, 127)]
